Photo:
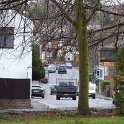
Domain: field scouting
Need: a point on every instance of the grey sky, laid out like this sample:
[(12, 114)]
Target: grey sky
[(112, 1)]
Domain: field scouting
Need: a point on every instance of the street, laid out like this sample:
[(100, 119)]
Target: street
[(68, 103)]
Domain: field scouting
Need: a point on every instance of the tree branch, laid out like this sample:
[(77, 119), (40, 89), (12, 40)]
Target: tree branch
[(63, 11)]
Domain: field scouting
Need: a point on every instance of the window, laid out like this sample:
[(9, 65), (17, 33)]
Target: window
[(107, 55), (6, 37)]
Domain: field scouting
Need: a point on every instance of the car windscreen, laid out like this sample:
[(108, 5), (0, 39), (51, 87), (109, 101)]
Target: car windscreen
[(61, 67), (36, 86), (66, 83)]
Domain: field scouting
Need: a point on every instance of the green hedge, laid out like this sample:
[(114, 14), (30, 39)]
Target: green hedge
[(104, 83)]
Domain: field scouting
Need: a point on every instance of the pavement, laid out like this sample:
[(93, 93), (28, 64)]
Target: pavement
[(103, 97), (40, 107), (36, 107)]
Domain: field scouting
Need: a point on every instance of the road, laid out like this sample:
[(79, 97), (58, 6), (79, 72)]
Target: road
[(68, 104)]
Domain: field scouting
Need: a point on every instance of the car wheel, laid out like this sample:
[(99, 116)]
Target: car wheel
[(93, 96), (57, 97)]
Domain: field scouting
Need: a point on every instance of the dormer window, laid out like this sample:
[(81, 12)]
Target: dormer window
[(7, 37)]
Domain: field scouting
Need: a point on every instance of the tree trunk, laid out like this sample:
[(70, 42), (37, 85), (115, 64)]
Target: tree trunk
[(81, 30)]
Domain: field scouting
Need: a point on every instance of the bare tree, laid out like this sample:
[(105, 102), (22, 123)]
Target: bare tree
[(76, 16)]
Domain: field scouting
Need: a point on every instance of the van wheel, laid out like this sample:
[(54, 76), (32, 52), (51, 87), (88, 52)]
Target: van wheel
[(93, 96), (57, 98), (74, 98)]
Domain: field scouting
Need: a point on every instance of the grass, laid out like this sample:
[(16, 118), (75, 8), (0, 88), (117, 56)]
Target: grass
[(7, 119)]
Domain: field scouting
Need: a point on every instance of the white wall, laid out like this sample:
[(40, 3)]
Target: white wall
[(17, 62)]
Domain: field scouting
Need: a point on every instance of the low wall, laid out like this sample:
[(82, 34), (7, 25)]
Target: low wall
[(14, 93), (15, 103)]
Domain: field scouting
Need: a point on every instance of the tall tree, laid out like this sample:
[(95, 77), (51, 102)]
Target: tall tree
[(81, 31), (80, 27)]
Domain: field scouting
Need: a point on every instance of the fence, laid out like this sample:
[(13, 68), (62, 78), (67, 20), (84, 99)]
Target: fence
[(14, 88)]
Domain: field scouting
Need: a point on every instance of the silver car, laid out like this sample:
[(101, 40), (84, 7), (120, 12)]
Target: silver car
[(51, 68)]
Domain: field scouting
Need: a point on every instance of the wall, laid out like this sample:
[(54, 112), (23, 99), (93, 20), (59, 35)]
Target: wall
[(17, 62)]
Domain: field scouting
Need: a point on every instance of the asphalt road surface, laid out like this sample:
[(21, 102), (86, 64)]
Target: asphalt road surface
[(68, 103)]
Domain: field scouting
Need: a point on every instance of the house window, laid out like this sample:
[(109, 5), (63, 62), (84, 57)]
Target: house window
[(6, 37)]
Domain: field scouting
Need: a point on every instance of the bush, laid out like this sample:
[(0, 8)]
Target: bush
[(104, 83), (119, 97), (119, 81)]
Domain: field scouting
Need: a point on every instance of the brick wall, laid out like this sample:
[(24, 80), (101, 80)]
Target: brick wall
[(15, 103)]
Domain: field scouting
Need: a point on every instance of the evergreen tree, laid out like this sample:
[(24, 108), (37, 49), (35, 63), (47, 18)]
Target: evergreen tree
[(120, 62), (38, 71), (119, 81)]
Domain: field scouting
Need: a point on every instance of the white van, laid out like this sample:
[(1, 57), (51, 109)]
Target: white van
[(92, 90)]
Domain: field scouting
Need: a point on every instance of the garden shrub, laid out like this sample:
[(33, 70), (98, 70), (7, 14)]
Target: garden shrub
[(119, 81), (104, 83)]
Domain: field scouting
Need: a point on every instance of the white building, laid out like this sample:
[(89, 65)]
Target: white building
[(15, 59), (15, 47)]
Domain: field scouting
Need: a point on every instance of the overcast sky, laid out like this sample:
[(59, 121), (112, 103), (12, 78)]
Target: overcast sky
[(112, 2)]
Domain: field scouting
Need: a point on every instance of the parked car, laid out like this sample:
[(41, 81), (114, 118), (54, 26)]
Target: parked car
[(45, 64), (62, 70), (68, 65), (53, 89), (51, 68), (37, 91), (44, 80)]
